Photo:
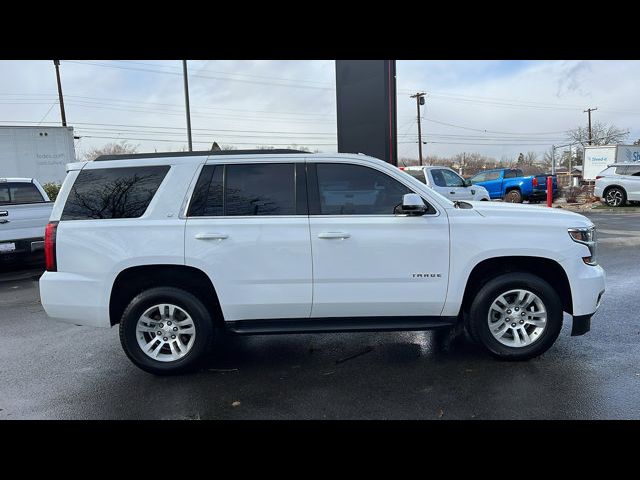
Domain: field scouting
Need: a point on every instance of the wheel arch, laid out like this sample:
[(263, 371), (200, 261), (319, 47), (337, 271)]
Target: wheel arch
[(547, 269), (615, 185), (134, 280)]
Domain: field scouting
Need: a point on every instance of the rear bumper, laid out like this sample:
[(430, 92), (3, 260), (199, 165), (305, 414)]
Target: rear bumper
[(25, 245), (73, 298), (542, 195)]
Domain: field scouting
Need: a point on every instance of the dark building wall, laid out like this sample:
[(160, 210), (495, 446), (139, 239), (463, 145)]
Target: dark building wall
[(366, 108)]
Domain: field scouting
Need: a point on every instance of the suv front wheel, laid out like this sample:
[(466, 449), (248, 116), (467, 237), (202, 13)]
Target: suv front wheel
[(516, 316), (166, 330)]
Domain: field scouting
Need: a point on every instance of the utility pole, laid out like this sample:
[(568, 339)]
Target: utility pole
[(553, 159), (186, 101), (589, 110), (61, 100), (419, 101)]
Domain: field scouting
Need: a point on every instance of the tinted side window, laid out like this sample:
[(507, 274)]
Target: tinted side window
[(481, 177), (17, 193), (438, 178), (260, 189), (357, 190), (635, 171), (510, 174), (621, 170), (452, 179), (113, 192), (491, 176), (418, 174), (208, 195)]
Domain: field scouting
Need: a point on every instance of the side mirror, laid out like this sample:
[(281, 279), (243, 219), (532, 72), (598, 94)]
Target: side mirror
[(467, 183), (412, 204)]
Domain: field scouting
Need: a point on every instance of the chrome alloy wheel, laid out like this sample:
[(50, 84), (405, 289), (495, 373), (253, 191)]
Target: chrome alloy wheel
[(517, 318), (165, 332), (613, 197)]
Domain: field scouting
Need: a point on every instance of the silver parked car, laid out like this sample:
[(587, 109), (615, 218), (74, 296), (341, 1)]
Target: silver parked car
[(447, 182), (619, 183)]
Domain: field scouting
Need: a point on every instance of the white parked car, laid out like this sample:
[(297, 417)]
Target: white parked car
[(447, 182), (618, 183), (177, 248), (24, 213)]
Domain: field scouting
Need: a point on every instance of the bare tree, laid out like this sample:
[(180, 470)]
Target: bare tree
[(112, 148), (601, 133), (530, 158)]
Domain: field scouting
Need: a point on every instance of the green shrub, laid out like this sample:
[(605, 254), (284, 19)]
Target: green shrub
[(52, 190)]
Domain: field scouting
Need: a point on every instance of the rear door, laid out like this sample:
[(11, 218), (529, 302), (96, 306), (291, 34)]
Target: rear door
[(248, 229), (631, 182), (368, 261)]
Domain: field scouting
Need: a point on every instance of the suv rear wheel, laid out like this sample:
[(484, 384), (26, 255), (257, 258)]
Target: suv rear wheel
[(166, 330), (516, 316), (615, 197)]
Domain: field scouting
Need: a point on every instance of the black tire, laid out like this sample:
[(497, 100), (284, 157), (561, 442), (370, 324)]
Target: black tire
[(614, 194), (479, 329), (513, 196), (202, 321)]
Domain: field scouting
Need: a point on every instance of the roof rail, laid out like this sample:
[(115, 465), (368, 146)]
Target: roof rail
[(129, 156)]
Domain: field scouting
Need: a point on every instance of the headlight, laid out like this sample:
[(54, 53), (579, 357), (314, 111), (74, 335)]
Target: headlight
[(586, 236)]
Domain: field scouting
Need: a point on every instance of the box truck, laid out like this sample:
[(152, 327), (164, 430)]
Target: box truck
[(598, 157), (36, 152)]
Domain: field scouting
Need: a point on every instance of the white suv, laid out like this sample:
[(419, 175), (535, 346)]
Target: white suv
[(178, 248), (618, 183)]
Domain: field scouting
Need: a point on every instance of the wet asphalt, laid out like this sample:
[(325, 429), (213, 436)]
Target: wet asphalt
[(51, 370)]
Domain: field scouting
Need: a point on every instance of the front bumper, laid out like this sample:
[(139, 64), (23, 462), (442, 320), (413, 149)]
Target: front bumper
[(581, 325)]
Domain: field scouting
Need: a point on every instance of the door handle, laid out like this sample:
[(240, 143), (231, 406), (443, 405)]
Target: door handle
[(340, 235), (452, 193), (4, 213), (211, 236)]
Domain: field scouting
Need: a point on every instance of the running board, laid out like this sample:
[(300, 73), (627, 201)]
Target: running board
[(338, 324)]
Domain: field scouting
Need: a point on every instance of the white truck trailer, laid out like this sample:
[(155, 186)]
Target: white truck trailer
[(36, 152), (599, 157)]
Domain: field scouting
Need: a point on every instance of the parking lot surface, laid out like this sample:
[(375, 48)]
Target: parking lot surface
[(51, 370)]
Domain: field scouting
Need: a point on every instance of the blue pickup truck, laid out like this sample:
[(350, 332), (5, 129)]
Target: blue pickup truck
[(511, 185)]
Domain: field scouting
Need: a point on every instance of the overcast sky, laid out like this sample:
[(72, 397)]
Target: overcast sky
[(497, 108)]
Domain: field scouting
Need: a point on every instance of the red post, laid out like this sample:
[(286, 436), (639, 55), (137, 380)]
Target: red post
[(549, 191)]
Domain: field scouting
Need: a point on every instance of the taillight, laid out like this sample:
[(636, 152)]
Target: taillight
[(50, 246), (599, 176), (535, 181)]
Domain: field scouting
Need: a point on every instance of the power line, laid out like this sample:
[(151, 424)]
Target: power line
[(174, 128), (203, 76), (228, 73), (229, 143)]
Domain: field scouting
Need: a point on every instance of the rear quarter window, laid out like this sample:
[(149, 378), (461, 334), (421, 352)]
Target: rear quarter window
[(19, 193), (113, 192)]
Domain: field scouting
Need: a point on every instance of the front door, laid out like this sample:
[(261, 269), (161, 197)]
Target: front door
[(368, 261), (248, 229)]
